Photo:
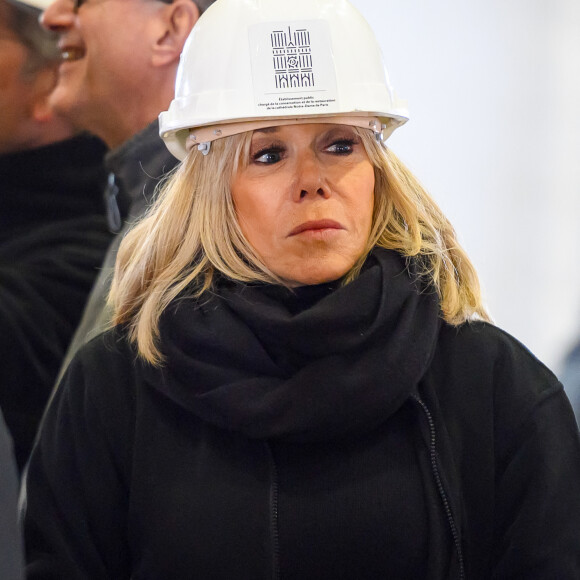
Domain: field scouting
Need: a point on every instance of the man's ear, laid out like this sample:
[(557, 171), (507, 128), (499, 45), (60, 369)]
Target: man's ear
[(178, 19)]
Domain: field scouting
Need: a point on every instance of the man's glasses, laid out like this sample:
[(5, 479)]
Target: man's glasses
[(79, 3)]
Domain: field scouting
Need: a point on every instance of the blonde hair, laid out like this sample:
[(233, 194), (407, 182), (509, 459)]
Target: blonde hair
[(191, 233)]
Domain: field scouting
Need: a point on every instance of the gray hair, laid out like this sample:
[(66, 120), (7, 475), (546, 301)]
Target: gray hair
[(202, 5), (40, 43)]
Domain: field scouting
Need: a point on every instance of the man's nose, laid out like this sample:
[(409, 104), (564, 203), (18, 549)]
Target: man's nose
[(58, 16)]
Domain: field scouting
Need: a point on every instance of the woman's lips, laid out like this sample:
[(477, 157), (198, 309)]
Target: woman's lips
[(316, 225)]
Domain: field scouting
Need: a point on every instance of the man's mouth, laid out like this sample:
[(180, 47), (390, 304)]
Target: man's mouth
[(72, 53)]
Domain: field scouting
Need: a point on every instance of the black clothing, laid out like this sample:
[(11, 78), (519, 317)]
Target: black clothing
[(135, 168), (332, 432), (11, 552), (570, 378), (53, 237)]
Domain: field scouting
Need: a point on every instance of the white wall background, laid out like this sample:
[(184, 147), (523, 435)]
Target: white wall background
[(493, 88)]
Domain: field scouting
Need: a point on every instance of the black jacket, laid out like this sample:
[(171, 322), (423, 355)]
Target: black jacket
[(570, 377), (53, 237), (11, 549), (135, 169), (322, 434)]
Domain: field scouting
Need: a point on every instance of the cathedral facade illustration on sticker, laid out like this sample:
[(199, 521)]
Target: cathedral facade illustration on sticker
[(292, 55), (293, 65)]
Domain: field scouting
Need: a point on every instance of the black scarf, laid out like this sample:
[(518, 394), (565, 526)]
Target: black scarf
[(312, 364)]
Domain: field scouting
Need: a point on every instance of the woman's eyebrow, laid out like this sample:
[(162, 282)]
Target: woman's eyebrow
[(267, 130)]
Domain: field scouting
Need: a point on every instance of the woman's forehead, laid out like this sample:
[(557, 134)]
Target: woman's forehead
[(315, 127)]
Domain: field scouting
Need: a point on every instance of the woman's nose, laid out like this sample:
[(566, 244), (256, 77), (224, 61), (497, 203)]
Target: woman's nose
[(59, 15), (310, 179)]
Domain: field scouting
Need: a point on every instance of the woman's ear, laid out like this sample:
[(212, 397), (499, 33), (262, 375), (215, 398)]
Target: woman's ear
[(178, 18)]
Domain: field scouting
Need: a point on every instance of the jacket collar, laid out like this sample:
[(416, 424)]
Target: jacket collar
[(138, 165)]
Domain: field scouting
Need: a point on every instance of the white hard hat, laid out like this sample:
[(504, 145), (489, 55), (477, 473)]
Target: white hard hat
[(257, 63)]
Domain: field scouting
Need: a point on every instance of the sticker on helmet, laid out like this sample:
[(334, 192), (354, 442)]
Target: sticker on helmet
[(293, 68)]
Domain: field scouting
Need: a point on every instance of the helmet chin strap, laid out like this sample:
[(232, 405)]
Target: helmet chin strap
[(204, 147)]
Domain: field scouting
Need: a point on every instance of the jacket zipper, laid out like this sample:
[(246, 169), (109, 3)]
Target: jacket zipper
[(440, 488), (274, 536)]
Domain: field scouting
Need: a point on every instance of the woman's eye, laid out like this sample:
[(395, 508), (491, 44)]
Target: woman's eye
[(342, 147), (268, 156)]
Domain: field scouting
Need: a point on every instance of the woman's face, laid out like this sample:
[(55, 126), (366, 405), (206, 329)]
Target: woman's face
[(305, 200)]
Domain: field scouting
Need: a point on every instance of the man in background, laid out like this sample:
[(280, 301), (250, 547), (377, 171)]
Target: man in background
[(11, 551), (53, 235), (118, 73), (570, 377)]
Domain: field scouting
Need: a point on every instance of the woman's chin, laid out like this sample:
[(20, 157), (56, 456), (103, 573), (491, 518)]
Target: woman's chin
[(312, 276)]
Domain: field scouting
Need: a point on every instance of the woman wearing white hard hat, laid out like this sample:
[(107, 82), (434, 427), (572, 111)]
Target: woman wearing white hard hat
[(301, 383)]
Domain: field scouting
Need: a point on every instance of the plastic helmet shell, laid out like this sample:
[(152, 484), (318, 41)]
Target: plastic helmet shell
[(248, 60)]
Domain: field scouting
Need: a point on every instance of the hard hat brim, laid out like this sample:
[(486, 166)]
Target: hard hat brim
[(179, 141)]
